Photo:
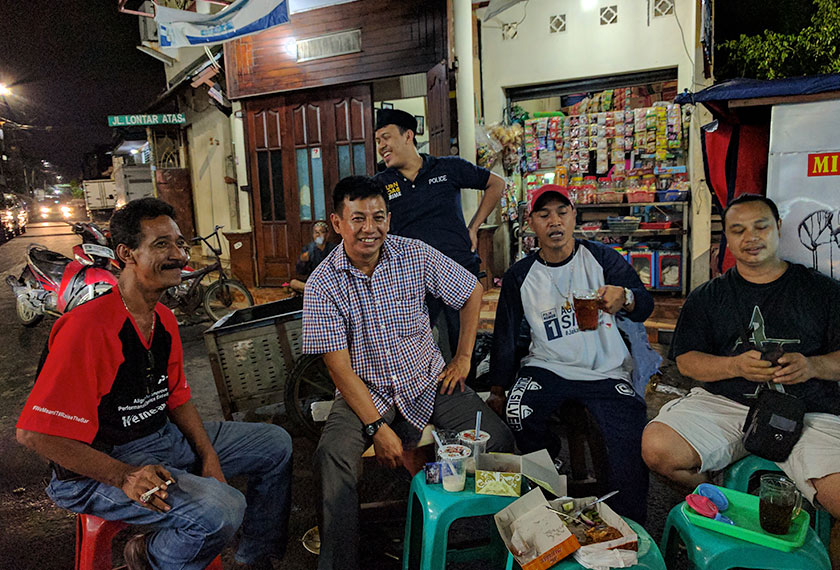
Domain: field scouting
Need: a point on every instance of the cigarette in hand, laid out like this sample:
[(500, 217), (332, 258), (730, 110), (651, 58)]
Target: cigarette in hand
[(144, 498)]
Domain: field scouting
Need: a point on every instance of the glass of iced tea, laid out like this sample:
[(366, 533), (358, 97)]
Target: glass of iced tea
[(587, 304), (779, 502)]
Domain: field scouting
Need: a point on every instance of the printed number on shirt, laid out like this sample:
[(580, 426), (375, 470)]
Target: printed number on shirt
[(557, 326)]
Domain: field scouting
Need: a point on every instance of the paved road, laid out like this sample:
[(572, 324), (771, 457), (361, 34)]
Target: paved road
[(38, 535)]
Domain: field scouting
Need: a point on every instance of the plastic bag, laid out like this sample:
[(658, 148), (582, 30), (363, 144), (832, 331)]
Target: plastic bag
[(486, 148)]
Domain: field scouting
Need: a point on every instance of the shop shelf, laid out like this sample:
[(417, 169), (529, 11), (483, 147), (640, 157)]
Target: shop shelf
[(671, 195), (623, 224)]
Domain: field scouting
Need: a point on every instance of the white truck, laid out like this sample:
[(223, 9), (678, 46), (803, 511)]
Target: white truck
[(132, 182), (100, 198)]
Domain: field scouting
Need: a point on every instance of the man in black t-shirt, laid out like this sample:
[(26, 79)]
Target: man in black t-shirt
[(764, 321), (424, 197)]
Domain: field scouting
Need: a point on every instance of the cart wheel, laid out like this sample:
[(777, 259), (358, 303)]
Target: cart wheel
[(308, 383), (225, 297)]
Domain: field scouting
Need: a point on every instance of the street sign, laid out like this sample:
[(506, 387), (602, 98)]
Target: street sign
[(146, 120)]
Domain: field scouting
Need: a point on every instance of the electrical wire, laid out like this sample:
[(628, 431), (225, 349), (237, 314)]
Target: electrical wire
[(524, 15), (694, 83)]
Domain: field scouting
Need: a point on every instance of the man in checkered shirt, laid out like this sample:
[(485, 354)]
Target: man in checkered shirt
[(364, 310)]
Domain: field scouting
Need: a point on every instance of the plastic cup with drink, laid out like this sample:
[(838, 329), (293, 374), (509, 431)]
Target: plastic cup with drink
[(476, 444), (587, 306), (453, 466), (779, 502)]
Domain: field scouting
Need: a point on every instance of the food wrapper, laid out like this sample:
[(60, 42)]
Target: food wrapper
[(617, 553), (534, 535)]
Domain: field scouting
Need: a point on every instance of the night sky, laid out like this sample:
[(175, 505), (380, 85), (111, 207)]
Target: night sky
[(69, 65)]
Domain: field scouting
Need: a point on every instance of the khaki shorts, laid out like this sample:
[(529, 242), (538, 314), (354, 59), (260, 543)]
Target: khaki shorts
[(713, 424)]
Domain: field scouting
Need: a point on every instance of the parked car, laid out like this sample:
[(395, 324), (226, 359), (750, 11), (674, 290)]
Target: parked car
[(14, 213)]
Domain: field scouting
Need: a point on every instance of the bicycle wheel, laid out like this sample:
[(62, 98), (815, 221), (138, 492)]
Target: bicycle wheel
[(225, 297), (308, 384)]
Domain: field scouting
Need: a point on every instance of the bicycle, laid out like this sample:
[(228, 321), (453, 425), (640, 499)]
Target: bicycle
[(220, 298)]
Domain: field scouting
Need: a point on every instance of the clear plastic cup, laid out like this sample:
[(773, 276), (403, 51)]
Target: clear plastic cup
[(476, 444), (453, 466)]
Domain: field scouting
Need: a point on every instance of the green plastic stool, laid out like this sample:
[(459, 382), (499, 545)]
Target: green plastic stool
[(431, 511), (710, 550), (738, 475), (650, 557)]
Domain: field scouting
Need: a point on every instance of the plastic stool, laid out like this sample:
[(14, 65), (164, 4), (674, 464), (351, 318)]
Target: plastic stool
[(431, 511), (710, 550), (650, 557), (738, 476), (93, 543)]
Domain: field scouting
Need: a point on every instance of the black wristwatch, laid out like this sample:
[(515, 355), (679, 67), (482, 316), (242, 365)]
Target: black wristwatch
[(371, 429)]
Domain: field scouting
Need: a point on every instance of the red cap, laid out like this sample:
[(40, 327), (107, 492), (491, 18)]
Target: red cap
[(539, 192)]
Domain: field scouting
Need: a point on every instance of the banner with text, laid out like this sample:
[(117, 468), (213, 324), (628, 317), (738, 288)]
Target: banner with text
[(180, 28)]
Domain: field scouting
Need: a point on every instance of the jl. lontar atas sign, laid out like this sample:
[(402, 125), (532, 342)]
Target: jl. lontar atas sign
[(180, 28), (146, 120)]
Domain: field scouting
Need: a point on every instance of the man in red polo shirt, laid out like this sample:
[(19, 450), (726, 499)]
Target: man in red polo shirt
[(111, 410)]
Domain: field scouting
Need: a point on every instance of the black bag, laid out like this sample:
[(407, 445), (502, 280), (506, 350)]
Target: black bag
[(774, 424)]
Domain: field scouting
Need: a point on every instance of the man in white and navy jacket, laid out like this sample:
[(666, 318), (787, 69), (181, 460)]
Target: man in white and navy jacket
[(563, 363)]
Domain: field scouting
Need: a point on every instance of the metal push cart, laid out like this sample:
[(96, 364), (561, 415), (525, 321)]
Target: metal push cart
[(255, 355)]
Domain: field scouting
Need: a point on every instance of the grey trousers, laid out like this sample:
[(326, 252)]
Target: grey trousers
[(338, 463)]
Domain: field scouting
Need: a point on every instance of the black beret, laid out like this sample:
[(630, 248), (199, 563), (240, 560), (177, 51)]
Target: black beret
[(385, 117)]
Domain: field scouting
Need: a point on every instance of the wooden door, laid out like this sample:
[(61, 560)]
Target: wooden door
[(326, 136), (276, 227), (437, 99)]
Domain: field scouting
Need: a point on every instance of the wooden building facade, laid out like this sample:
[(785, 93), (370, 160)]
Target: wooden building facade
[(306, 89)]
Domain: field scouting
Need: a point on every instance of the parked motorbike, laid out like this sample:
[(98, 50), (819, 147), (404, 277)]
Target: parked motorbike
[(52, 284)]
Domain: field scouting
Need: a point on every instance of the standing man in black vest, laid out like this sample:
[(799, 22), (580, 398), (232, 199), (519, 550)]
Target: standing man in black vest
[(424, 194)]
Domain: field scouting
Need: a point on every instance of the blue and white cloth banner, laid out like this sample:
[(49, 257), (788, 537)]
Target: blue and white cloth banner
[(180, 28)]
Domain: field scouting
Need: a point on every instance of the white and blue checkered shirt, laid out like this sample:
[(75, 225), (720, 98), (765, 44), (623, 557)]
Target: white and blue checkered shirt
[(384, 322)]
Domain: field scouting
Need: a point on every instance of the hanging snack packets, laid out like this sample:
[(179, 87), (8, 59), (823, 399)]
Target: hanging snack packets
[(606, 100), (650, 119), (639, 120)]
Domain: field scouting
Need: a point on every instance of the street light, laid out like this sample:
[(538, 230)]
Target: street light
[(4, 91)]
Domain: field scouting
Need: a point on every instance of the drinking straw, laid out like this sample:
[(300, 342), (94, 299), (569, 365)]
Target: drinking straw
[(445, 461), (477, 424), (437, 439)]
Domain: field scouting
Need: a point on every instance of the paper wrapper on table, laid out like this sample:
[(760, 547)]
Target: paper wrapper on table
[(535, 536), (501, 473), (616, 553)]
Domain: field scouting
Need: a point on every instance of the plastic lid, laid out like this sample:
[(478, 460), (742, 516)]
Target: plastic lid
[(470, 435), (702, 505), (714, 494), (454, 451)]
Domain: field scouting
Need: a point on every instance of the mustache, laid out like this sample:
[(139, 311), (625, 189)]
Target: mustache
[(174, 265)]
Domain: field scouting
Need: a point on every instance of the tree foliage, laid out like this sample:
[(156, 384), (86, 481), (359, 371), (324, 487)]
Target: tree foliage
[(773, 55), (76, 190)]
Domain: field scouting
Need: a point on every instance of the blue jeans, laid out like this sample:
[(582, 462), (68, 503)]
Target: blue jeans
[(205, 513)]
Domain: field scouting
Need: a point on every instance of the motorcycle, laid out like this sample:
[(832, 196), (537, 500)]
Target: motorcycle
[(52, 284)]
